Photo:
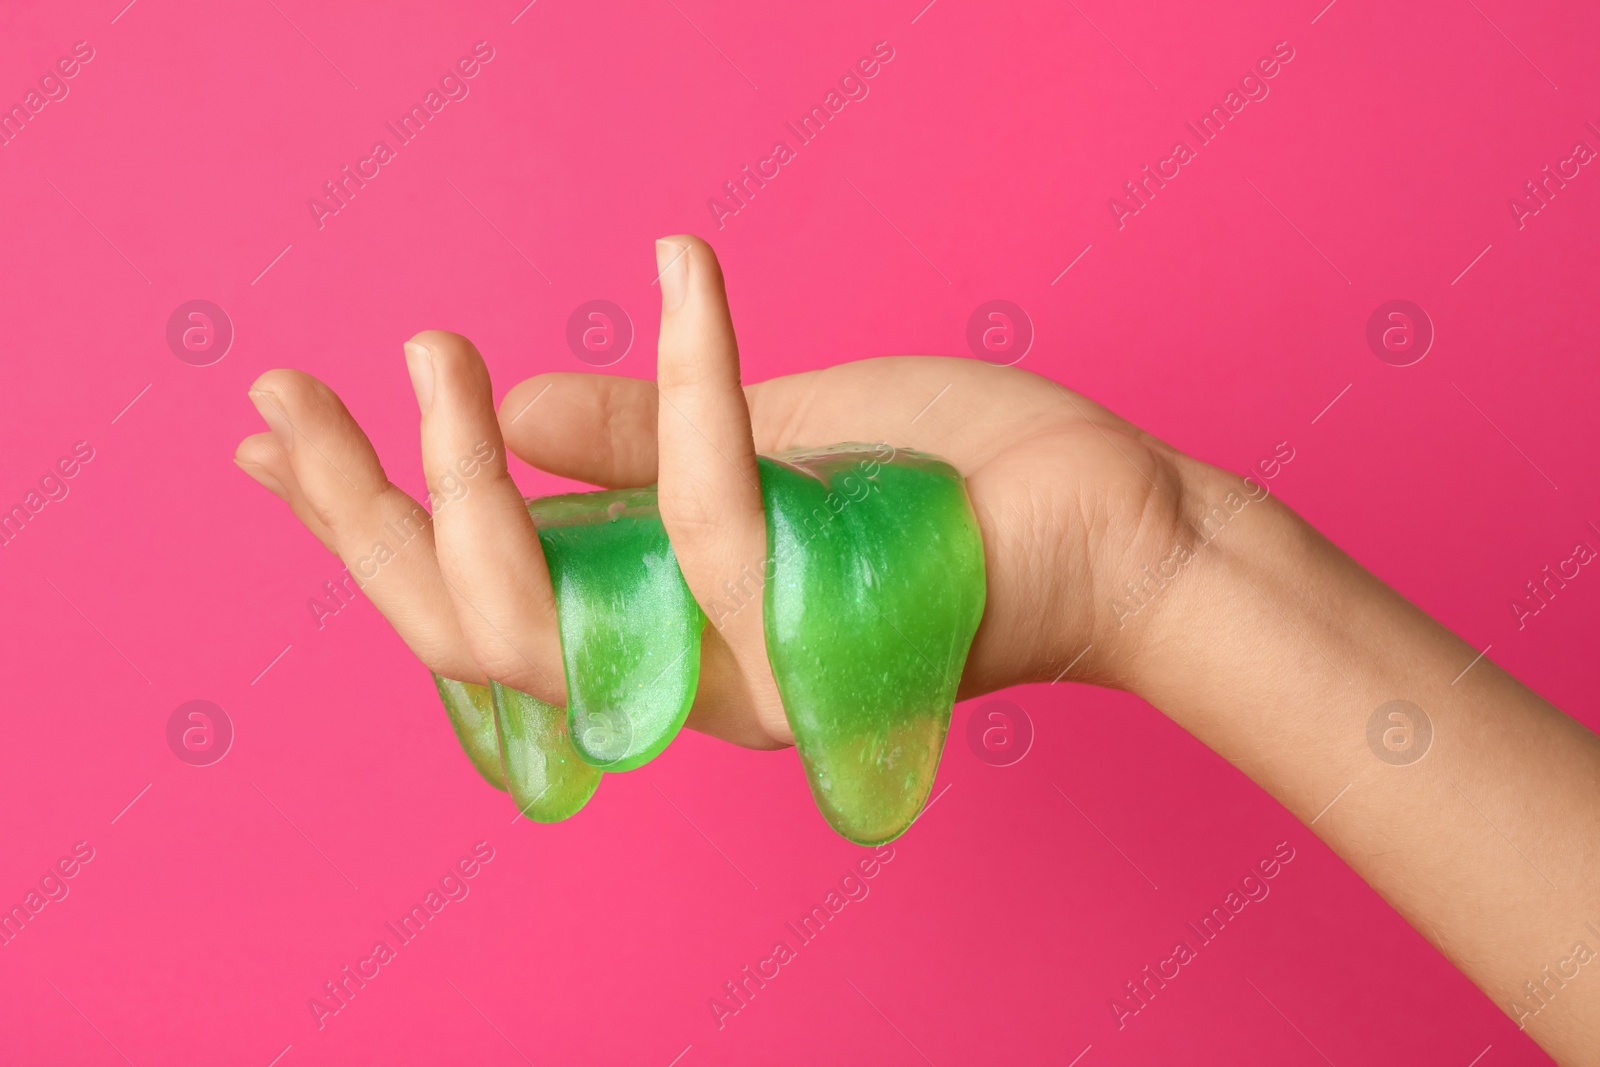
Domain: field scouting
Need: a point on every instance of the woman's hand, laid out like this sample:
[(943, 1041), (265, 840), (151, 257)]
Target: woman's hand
[(1275, 649), (1068, 496)]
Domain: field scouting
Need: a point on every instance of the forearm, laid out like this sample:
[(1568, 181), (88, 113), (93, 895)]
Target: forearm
[(1277, 650)]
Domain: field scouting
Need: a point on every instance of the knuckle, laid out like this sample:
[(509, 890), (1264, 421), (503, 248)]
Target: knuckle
[(684, 369), (514, 672), (691, 515)]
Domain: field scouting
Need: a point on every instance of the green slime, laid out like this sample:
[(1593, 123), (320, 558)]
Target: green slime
[(520, 744), (548, 779), (630, 649), (471, 711), (630, 628), (874, 588)]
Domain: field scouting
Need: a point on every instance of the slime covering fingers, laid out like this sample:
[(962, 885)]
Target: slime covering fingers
[(630, 634), (471, 710), (868, 563), (630, 630), (547, 779), (876, 589)]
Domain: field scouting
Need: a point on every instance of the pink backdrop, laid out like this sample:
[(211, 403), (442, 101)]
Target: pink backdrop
[(1225, 315)]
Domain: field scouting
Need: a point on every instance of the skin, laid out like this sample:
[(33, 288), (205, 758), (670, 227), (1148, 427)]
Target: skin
[(1269, 644)]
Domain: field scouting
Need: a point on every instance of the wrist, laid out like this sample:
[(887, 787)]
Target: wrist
[(1168, 610)]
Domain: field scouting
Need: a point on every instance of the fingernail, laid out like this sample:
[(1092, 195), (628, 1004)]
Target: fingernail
[(276, 420), (260, 474), (419, 361), (672, 261)]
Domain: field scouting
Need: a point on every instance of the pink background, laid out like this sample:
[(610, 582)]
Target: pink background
[(1006, 920)]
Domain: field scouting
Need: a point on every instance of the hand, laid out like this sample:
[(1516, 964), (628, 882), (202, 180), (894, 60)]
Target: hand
[(1275, 647), (1068, 496)]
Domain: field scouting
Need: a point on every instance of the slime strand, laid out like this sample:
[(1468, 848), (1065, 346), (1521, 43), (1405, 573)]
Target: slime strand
[(548, 781), (471, 710), (876, 589), (630, 628)]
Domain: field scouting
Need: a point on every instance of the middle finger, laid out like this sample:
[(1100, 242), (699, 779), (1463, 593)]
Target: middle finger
[(489, 551)]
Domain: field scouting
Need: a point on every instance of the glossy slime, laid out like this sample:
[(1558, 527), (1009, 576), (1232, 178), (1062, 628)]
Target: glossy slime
[(874, 588), (877, 590)]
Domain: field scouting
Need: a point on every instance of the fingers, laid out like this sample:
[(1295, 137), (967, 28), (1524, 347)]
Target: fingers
[(263, 458), (710, 489), (321, 462), (591, 427), (489, 552)]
